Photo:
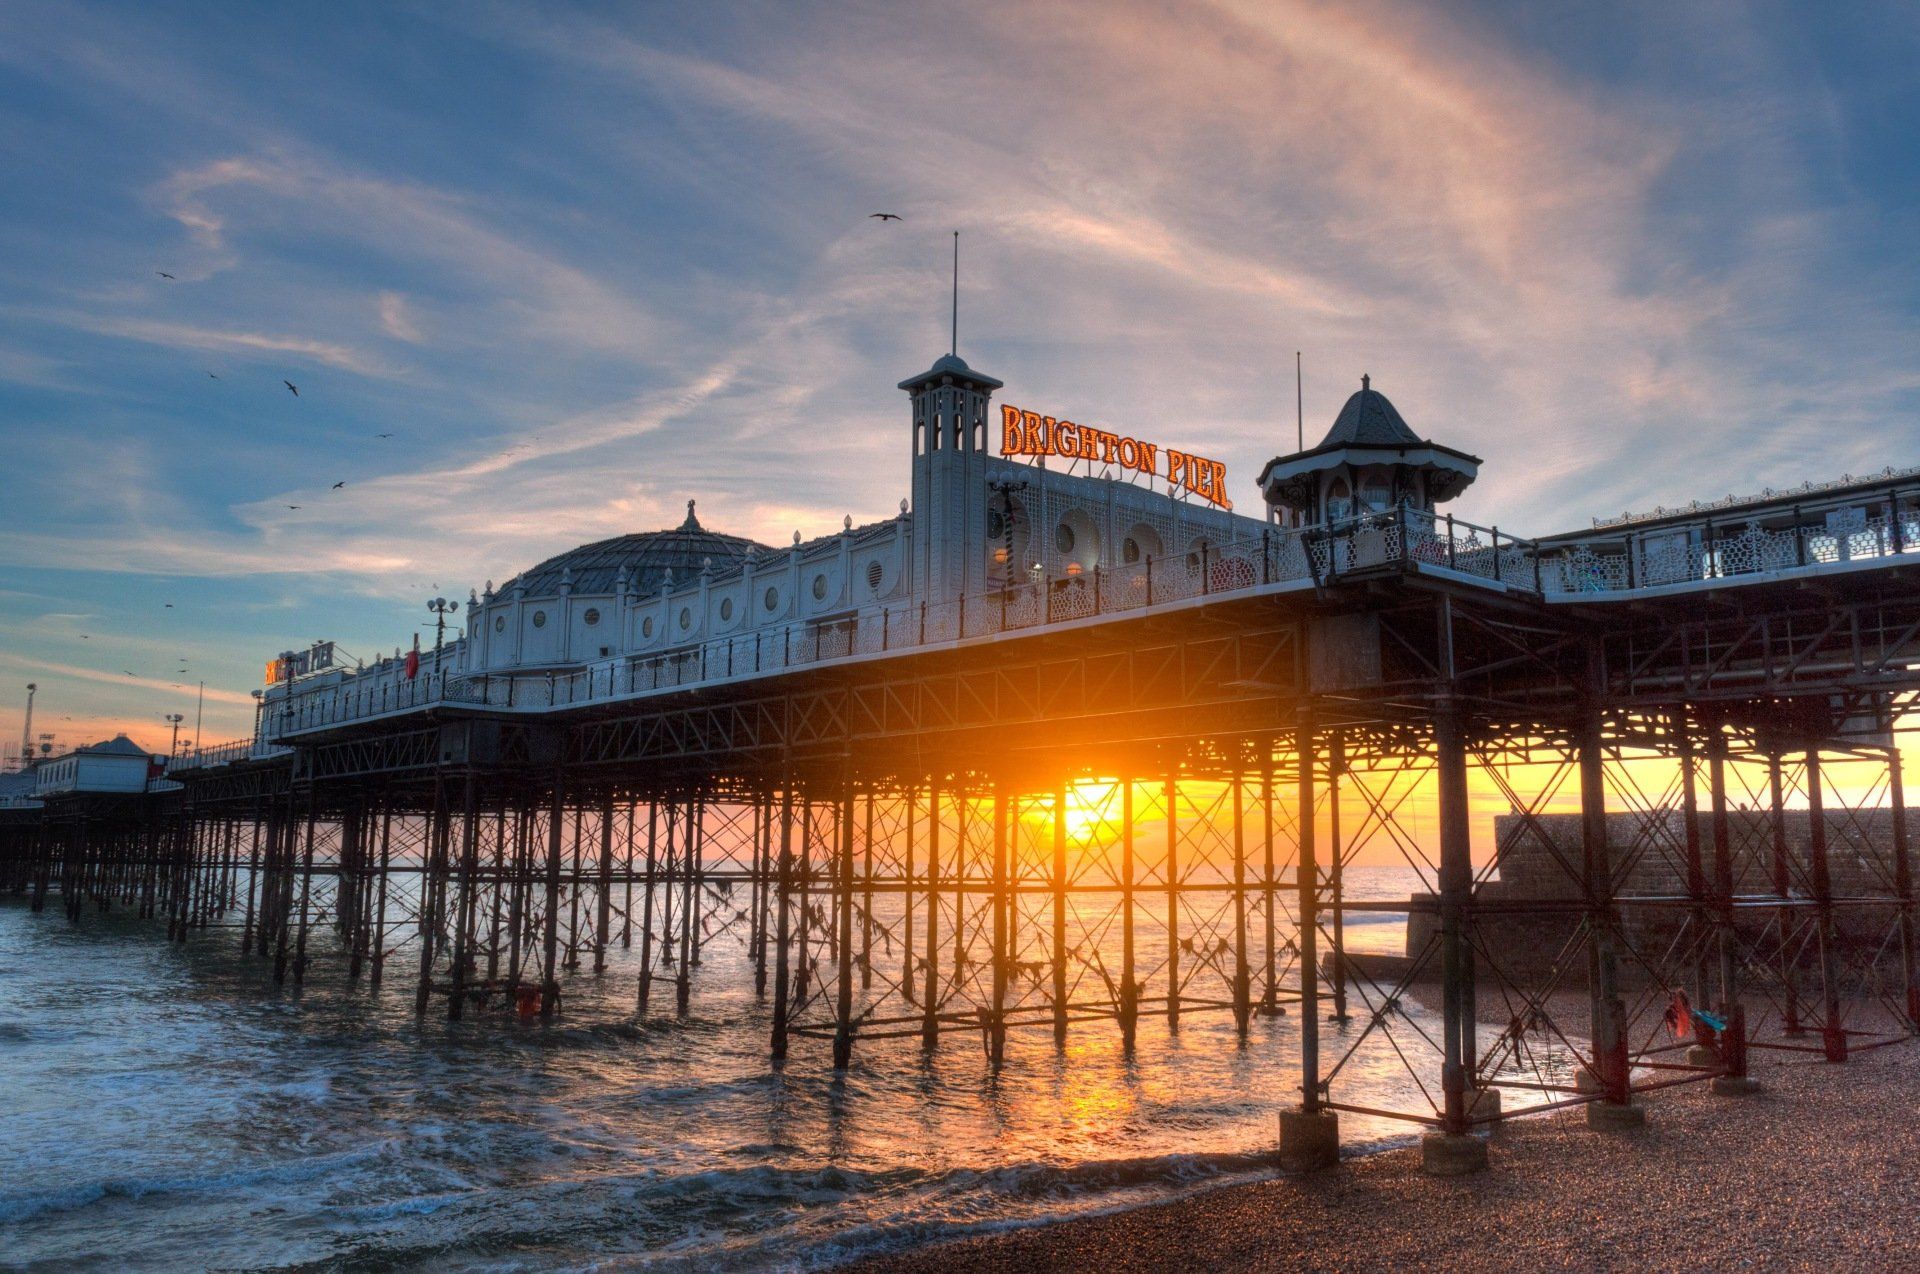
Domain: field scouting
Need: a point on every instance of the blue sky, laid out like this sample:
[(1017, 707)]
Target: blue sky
[(586, 262)]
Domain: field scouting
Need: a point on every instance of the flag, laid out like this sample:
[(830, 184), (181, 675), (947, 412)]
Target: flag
[(413, 659)]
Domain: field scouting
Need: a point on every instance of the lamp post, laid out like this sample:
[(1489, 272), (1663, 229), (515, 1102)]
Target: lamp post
[(174, 719), (441, 608)]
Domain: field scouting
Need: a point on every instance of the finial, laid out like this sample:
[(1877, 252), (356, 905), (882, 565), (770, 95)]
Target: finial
[(706, 566), (846, 523), (903, 507), (1366, 383), (692, 523), (796, 539)]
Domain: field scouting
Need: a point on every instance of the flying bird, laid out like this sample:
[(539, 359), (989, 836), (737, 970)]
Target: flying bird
[(125, 672), (293, 506), (383, 435), (169, 605), (210, 374), (163, 274), (883, 216), (291, 388), (338, 485)]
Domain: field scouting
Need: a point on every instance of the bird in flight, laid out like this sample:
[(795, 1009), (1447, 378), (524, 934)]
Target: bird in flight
[(338, 485), (291, 388), (125, 672), (883, 216), (169, 605), (163, 274), (383, 435), (213, 375), (293, 506)]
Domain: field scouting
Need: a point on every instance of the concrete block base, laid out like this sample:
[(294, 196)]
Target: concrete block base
[(1309, 1140), (1701, 1055), (1735, 1085), (1585, 1081), (1483, 1103), (1605, 1116), (1445, 1154)]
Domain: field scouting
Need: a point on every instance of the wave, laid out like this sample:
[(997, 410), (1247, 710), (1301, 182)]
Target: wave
[(25, 1206)]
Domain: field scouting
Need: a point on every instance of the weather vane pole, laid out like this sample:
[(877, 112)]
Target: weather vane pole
[(955, 348)]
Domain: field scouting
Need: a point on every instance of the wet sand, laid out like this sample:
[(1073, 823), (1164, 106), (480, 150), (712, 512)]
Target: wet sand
[(1821, 1169)]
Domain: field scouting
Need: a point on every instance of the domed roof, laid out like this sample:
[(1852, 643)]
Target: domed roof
[(1369, 419), (647, 557), (955, 366)]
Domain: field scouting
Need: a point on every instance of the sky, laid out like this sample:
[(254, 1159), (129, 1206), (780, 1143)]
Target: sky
[(542, 273)]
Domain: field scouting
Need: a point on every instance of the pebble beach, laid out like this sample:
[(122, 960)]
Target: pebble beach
[(1815, 1171)]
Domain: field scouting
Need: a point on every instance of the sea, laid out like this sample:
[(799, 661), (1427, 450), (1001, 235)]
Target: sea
[(164, 1106)]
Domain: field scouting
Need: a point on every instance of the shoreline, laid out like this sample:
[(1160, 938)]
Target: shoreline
[(1815, 1169)]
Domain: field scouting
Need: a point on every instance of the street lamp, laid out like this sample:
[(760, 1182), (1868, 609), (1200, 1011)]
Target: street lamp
[(441, 608), (174, 719)]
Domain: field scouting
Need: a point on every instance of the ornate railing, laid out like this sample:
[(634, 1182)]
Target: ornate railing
[(228, 753), (1692, 554)]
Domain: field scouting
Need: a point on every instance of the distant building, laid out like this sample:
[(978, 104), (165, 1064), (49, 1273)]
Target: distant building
[(118, 765)]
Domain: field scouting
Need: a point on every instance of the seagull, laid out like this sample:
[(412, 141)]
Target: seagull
[(169, 605), (883, 216), (338, 485), (383, 435), (210, 374), (163, 274), (291, 388), (125, 673), (293, 506)]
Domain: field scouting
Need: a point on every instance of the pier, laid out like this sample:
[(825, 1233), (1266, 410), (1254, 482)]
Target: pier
[(985, 798)]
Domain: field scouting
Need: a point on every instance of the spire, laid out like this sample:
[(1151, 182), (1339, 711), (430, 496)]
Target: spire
[(692, 523), (1366, 383)]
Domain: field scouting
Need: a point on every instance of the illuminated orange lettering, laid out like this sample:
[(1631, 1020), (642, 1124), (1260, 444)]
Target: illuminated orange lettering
[(1176, 467), (1109, 445), (1066, 439), (1010, 437), (1034, 426)]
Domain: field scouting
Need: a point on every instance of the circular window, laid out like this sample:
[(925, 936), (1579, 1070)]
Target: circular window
[(499, 623), (1063, 538), (875, 573), (726, 608), (592, 616), (646, 626), (539, 619), (1130, 551), (686, 618), (820, 588), (773, 598)]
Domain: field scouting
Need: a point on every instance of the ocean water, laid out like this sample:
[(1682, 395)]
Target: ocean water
[(165, 1106)]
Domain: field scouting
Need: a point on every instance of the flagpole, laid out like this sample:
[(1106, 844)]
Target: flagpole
[(954, 349), (1299, 406)]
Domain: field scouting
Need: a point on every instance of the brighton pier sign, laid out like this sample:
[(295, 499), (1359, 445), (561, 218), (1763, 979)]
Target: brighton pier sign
[(1028, 433)]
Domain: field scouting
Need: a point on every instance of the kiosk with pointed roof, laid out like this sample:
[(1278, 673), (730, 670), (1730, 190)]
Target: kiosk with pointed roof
[(1369, 462)]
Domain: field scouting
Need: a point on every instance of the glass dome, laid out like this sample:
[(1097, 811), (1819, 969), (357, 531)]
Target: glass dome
[(647, 557)]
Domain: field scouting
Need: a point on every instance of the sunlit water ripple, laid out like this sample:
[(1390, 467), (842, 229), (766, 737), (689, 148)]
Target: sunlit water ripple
[(165, 1107)]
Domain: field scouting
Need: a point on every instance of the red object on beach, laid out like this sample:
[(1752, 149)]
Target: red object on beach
[(1679, 1015), (526, 1000)]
